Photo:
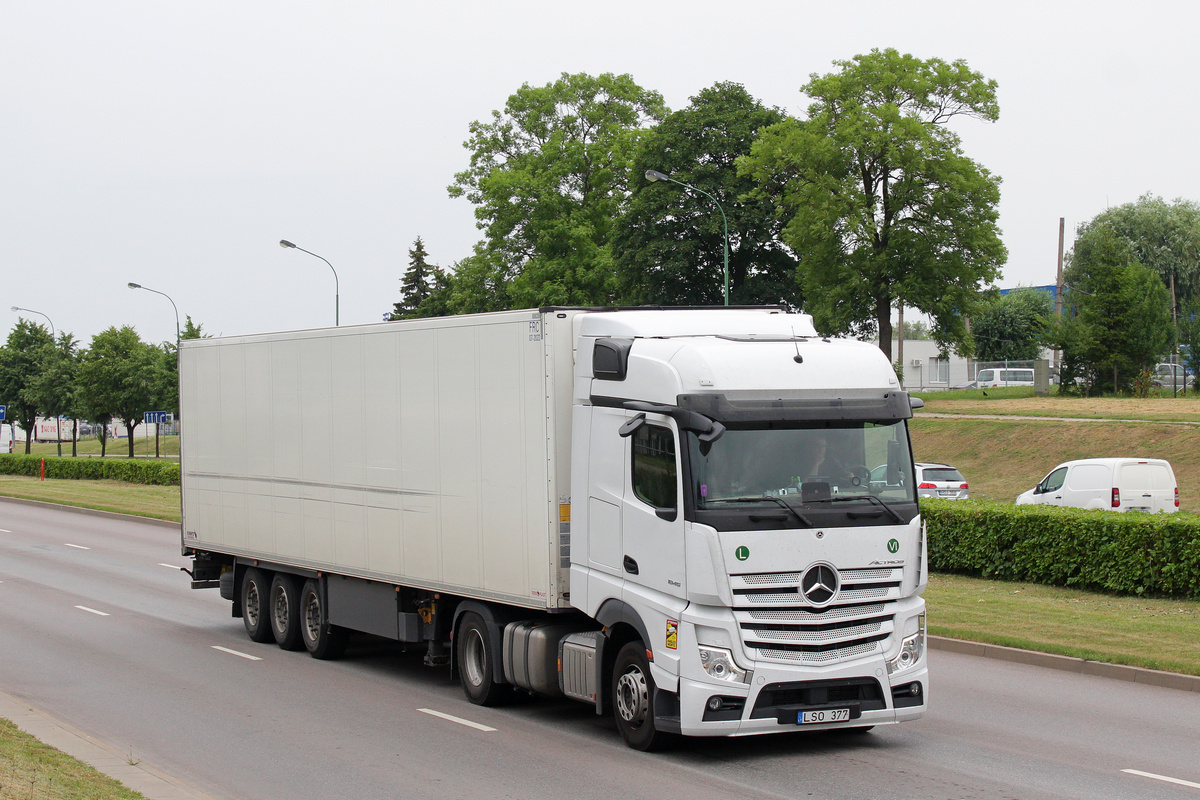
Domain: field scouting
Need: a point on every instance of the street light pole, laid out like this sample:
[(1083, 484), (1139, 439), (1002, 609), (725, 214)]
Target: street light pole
[(40, 314), (164, 294), (653, 175), (336, 289)]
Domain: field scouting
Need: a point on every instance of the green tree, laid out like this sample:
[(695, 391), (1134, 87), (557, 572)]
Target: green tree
[(1165, 237), (881, 204), (55, 385), (21, 364), (418, 284), (548, 177), (669, 245), (1123, 308), (120, 377), (192, 330), (1012, 326), (1189, 335)]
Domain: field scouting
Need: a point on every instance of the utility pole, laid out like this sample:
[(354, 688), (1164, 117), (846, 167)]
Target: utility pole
[(1059, 287)]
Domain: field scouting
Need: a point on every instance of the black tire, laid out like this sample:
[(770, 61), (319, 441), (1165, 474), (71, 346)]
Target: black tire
[(256, 588), (633, 699), (321, 640), (284, 611), (473, 648)]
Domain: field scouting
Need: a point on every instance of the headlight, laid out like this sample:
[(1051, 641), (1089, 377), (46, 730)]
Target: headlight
[(719, 664), (910, 649)]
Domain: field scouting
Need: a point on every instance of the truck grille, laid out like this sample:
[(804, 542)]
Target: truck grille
[(778, 622)]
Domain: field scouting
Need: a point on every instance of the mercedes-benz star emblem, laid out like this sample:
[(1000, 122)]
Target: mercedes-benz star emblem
[(820, 584)]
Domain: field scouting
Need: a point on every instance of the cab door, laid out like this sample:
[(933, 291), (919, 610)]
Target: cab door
[(652, 524)]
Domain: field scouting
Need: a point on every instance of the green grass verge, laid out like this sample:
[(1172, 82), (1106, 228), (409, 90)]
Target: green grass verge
[(158, 502), (30, 770), (143, 447), (1136, 631)]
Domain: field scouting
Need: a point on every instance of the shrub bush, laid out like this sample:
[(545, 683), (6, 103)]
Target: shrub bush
[(130, 470), (1128, 553)]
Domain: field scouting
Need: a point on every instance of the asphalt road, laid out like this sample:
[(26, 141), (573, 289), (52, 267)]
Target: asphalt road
[(99, 628)]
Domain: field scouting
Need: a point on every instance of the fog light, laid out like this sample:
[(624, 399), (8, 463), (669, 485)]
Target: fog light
[(714, 703)]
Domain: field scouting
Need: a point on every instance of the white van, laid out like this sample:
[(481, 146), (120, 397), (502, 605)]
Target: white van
[(1006, 376), (6, 438), (1121, 484)]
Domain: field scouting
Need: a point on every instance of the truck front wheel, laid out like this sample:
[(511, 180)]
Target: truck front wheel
[(475, 658), (256, 588), (633, 693), (321, 640)]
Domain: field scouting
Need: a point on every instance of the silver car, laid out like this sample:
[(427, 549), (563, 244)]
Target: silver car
[(941, 480)]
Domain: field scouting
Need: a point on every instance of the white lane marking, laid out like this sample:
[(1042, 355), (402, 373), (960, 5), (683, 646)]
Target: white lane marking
[(76, 546), (459, 720), (5, 530), (94, 611), (169, 566), (1162, 778), (236, 653)]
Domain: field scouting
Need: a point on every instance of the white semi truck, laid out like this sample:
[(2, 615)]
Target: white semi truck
[(701, 521)]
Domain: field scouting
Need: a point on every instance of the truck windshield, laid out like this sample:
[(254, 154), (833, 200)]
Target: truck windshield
[(803, 468)]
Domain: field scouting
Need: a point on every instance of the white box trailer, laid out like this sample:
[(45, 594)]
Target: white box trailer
[(610, 505)]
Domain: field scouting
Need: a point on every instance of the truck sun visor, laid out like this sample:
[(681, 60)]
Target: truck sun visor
[(888, 406)]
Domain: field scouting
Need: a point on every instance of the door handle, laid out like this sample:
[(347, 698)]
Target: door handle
[(630, 566)]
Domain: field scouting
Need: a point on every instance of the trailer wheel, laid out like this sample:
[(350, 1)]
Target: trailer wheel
[(475, 659), (321, 640), (632, 693), (284, 609), (256, 588)]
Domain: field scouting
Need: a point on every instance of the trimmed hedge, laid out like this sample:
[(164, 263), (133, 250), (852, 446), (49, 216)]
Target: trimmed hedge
[(130, 470), (1106, 551)]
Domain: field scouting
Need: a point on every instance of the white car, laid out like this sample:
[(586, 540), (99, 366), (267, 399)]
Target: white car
[(1120, 484), (933, 480)]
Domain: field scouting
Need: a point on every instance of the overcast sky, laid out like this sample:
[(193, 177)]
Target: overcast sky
[(174, 144)]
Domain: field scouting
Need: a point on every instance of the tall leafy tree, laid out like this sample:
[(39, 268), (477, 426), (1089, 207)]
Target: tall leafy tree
[(120, 377), (1165, 237), (55, 385), (882, 205), (670, 242), (548, 176), (21, 363), (1012, 326), (1122, 307)]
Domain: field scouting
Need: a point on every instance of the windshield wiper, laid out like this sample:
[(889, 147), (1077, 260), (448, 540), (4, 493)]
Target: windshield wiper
[(803, 519), (896, 516)]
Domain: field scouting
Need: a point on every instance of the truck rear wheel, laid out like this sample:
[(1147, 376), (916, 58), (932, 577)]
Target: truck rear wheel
[(633, 693), (475, 658), (256, 588), (321, 640), (284, 609)]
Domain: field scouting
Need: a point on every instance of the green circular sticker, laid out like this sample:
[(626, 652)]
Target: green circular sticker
[(893, 546), (742, 553)]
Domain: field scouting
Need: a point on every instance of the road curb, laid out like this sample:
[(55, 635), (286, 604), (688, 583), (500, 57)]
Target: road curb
[(138, 775), (94, 512), (1082, 666)]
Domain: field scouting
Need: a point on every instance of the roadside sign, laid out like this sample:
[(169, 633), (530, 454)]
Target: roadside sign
[(156, 417), (2, 410)]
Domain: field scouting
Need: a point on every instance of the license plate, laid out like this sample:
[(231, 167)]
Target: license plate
[(824, 715), (947, 492)]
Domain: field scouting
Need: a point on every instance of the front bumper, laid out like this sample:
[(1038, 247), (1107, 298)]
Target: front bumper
[(777, 695)]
